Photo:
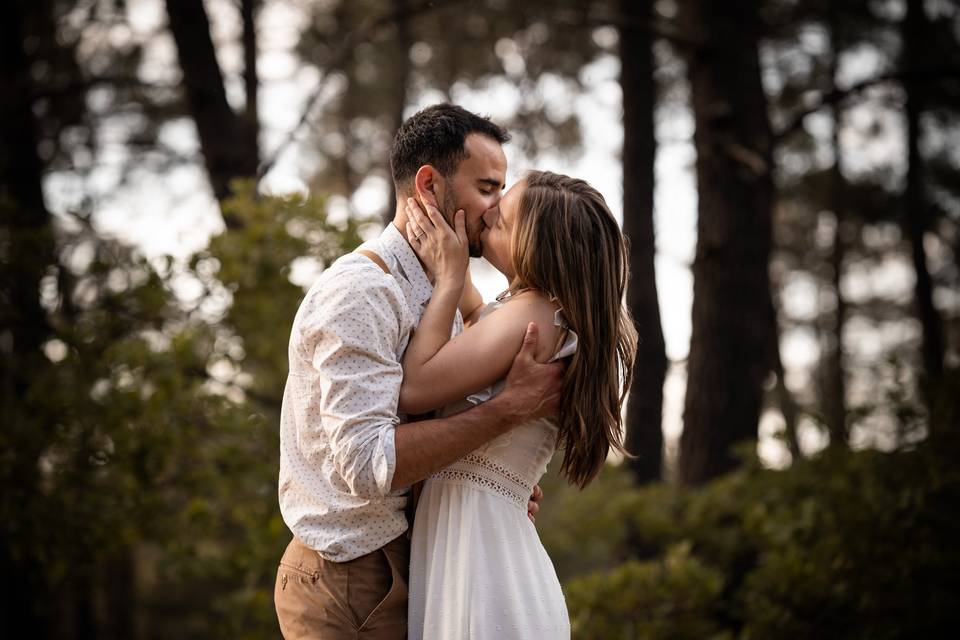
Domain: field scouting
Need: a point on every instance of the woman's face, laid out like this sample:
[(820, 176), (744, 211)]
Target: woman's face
[(498, 232)]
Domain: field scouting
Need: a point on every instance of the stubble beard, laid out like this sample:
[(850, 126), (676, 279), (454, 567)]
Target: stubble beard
[(449, 209), (476, 249)]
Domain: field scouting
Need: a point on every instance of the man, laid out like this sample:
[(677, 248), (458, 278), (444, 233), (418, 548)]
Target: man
[(347, 459)]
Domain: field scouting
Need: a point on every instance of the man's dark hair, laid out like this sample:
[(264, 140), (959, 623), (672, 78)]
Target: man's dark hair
[(436, 136)]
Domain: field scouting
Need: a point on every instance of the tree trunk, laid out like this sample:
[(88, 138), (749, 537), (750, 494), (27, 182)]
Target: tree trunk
[(25, 216), (228, 141), (915, 28), (251, 82), (730, 343), (834, 372), (400, 79), (644, 437), (788, 404), (835, 382), (27, 251), (117, 582)]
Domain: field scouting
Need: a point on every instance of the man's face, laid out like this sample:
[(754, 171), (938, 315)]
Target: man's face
[(476, 186)]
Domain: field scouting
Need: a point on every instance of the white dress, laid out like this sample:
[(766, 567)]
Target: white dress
[(477, 567)]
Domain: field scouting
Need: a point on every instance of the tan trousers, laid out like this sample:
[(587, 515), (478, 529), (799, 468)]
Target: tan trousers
[(364, 598)]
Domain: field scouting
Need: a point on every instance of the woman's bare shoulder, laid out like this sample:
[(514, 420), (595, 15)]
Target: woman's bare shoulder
[(535, 306)]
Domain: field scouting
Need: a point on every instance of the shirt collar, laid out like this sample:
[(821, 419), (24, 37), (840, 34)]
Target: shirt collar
[(396, 246)]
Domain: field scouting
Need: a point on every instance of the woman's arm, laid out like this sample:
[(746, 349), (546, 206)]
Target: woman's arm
[(437, 370), (475, 359), (445, 253), (471, 302)]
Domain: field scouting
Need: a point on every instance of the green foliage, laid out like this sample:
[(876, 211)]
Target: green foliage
[(253, 266), (570, 523), (848, 544), (521, 51), (144, 452), (668, 598), (862, 544)]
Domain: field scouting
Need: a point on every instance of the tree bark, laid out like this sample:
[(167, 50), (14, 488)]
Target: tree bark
[(731, 342), (644, 433), (835, 393), (227, 140), (834, 370), (27, 251), (251, 82), (916, 213), (400, 78), (119, 577), (25, 215), (788, 404)]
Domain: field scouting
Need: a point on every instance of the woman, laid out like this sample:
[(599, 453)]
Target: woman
[(477, 567)]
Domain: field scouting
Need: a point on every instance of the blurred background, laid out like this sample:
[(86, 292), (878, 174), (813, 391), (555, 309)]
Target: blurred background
[(174, 174)]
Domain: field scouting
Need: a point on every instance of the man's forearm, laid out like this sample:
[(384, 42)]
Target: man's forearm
[(426, 447)]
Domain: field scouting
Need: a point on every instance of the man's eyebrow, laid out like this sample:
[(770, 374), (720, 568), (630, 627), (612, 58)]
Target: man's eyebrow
[(493, 182)]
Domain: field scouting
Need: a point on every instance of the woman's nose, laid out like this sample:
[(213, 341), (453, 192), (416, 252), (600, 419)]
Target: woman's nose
[(490, 216)]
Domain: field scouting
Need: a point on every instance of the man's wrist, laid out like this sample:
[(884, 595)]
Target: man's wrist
[(506, 407)]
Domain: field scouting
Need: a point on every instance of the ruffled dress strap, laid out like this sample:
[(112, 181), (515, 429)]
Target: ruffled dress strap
[(568, 340)]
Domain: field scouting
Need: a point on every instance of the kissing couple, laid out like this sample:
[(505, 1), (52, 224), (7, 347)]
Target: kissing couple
[(399, 373)]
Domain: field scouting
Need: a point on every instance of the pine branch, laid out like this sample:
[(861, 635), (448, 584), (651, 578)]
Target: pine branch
[(361, 34), (838, 95)]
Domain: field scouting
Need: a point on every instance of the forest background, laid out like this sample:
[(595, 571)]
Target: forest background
[(173, 174)]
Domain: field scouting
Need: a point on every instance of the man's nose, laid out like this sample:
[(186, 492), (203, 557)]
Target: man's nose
[(490, 216)]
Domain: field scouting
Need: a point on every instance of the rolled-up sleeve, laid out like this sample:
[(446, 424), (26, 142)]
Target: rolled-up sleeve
[(351, 340)]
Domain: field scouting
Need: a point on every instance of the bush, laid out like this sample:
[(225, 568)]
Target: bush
[(848, 544), (660, 599)]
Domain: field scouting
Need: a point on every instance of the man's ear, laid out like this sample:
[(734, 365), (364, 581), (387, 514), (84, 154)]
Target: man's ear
[(425, 185)]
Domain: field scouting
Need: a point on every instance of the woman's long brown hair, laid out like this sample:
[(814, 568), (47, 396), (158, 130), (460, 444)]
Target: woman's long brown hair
[(567, 244)]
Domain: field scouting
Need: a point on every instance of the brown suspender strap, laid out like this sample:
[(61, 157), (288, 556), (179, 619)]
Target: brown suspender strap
[(377, 260)]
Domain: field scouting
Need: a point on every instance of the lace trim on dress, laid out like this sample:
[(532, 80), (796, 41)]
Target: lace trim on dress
[(490, 475)]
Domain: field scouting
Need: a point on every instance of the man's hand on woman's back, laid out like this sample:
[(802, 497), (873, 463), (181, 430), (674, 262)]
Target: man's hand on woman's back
[(532, 388)]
